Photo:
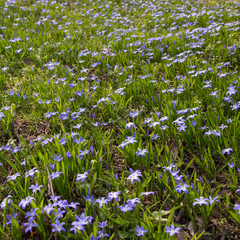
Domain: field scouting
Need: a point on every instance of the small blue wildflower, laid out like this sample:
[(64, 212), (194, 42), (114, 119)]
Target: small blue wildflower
[(200, 201), (140, 231), (58, 227), (134, 176), (141, 152), (172, 230), (29, 225)]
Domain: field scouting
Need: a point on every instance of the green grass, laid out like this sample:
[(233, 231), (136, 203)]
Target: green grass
[(118, 117)]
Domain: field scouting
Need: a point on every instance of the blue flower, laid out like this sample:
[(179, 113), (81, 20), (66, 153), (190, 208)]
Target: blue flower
[(68, 154), (231, 165), (55, 175), (35, 188), (200, 201), (13, 177), (61, 204), (32, 214), (132, 202), (26, 201), (113, 195), (59, 213), (48, 209), (214, 94), (140, 231), (227, 150), (82, 177), (125, 208), (61, 142), (141, 152), (58, 227), (31, 172), (77, 227), (10, 218), (237, 207), (182, 188), (134, 176), (79, 224), (130, 125), (57, 158), (102, 201), (102, 224), (212, 200), (170, 167), (134, 114), (172, 230), (73, 205), (174, 104), (52, 166), (155, 137), (193, 123), (6, 201), (146, 193), (182, 128), (101, 235), (89, 198), (29, 225)]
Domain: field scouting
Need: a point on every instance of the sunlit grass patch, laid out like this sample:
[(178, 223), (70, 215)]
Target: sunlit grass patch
[(119, 119)]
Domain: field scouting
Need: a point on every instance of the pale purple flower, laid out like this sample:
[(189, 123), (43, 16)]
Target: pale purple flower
[(26, 201), (182, 187), (48, 209), (227, 150), (134, 114), (55, 175), (29, 225), (36, 188), (172, 230), (212, 200), (57, 158), (125, 208), (13, 177), (113, 195), (200, 201), (31, 172), (141, 152), (231, 165), (82, 177), (134, 176), (102, 201), (101, 234), (32, 214), (140, 231), (146, 193), (58, 227)]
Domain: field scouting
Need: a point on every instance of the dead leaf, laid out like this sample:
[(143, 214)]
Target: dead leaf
[(190, 228), (199, 223), (179, 216), (182, 235), (174, 149)]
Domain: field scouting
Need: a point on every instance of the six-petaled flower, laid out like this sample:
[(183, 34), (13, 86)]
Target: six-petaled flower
[(140, 231), (172, 230)]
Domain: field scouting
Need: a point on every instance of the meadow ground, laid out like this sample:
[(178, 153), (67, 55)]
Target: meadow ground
[(119, 119)]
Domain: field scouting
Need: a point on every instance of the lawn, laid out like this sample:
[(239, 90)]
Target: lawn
[(119, 119)]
